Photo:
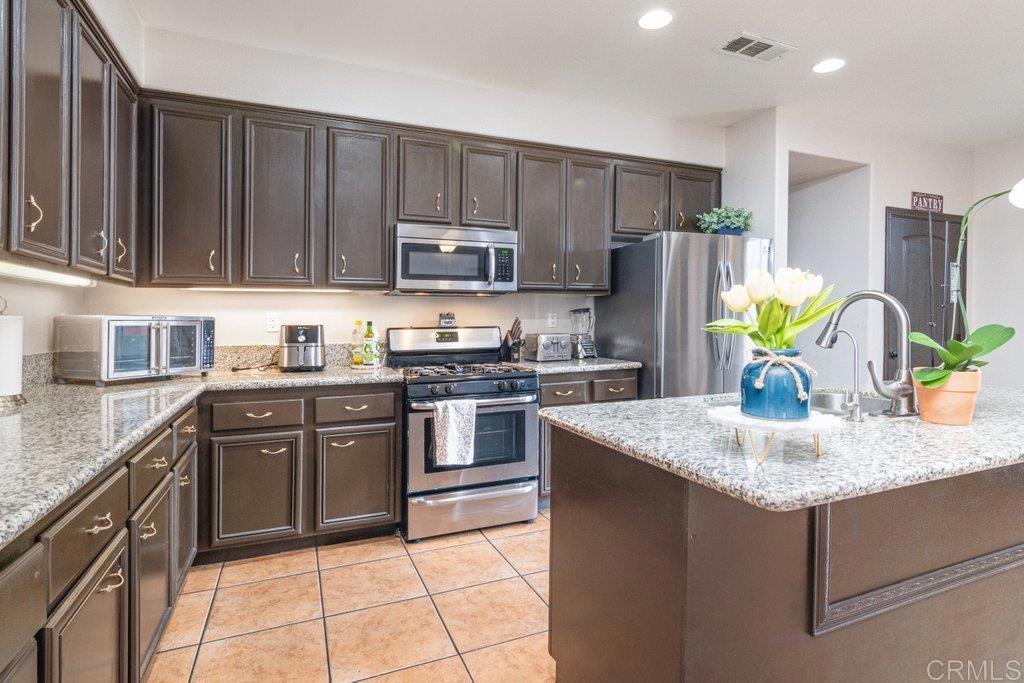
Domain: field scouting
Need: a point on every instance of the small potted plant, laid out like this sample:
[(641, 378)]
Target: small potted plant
[(727, 220)]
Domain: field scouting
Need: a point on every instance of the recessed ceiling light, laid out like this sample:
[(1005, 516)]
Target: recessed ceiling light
[(829, 65), (655, 19)]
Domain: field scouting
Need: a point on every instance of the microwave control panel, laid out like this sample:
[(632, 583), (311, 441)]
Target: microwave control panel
[(206, 352), (504, 259)]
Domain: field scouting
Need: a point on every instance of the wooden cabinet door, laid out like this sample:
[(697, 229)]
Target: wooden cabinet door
[(91, 72), (359, 205), (151, 542), (277, 195), (694, 191), (356, 476), (123, 167), (24, 668), (488, 186), (86, 638), (186, 506), (639, 199), (192, 195), (541, 190), (426, 179), (589, 220), (257, 487), (40, 125)]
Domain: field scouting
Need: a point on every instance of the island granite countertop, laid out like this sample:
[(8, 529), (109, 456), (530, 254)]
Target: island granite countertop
[(555, 367), (67, 434), (879, 454)]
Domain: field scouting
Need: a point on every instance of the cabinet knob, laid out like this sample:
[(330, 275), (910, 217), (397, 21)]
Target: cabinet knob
[(124, 250), (344, 264), (579, 272), (106, 243), (295, 263), (476, 206), (119, 575), (149, 531), (279, 451), (356, 410), (437, 203), (31, 201), (105, 522), (254, 416), (682, 219), (342, 445), (185, 481), (617, 390), (158, 464), (209, 261), (654, 219), (554, 272), (565, 393)]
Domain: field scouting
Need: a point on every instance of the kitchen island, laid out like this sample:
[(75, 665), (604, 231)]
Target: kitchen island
[(675, 556)]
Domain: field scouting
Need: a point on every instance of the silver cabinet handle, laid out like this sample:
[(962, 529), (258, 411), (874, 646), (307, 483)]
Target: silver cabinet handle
[(119, 575), (344, 264), (189, 429), (565, 393), (106, 243), (579, 271), (254, 416), (124, 250), (342, 445), (554, 271), (654, 221), (296, 263), (150, 531), (105, 523), (209, 261), (437, 204), (476, 206), (158, 464), (682, 219), (356, 410), (31, 201), (616, 391), (279, 451), (185, 481)]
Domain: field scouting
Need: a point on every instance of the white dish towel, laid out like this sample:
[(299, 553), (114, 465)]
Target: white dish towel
[(454, 432)]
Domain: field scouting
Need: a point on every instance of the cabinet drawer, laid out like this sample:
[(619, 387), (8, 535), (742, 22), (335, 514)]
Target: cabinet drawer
[(77, 537), (257, 414), (22, 602), (614, 389), (184, 430), (349, 408), (148, 467), (564, 393)]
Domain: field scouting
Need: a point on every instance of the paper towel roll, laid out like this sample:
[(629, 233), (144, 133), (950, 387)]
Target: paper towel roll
[(10, 354)]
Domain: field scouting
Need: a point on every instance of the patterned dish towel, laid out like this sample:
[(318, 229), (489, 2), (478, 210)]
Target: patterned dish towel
[(454, 432)]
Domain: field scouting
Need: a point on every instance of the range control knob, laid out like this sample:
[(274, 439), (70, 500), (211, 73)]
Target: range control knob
[(502, 385), (435, 390), (449, 388), (517, 384), (564, 344), (546, 345)]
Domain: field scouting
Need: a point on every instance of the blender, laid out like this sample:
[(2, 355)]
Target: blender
[(582, 320)]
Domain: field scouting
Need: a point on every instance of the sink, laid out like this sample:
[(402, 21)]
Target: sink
[(832, 402)]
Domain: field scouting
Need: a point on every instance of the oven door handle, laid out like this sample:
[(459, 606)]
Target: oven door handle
[(481, 403), (450, 497), (492, 264)]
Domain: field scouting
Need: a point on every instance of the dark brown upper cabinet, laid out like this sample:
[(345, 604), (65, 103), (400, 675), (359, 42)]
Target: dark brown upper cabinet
[(640, 194), (356, 476), (151, 541), (589, 220), (192, 199), (360, 199), (91, 72), (278, 219), (5, 36), (40, 129), (427, 173), (123, 169), (541, 190), (694, 191), (488, 186)]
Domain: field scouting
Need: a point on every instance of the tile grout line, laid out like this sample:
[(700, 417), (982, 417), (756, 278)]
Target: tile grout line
[(323, 614), (523, 576), (206, 621)]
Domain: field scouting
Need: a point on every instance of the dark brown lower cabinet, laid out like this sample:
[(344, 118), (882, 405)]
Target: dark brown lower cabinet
[(186, 501), (24, 668), (86, 638), (355, 476), (152, 574), (257, 487)]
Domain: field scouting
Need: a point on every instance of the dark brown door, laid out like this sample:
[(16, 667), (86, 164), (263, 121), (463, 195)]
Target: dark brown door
[(257, 487), (186, 504), (639, 199), (192, 195), (488, 186), (151, 540), (24, 668), (356, 476), (124, 166), (919, 247), (5, 36), (40, 124), (86, 638), (589, 219), (542, 187), (426, 179), (359, 205), (277, 195), (694, 192), (90, 159)]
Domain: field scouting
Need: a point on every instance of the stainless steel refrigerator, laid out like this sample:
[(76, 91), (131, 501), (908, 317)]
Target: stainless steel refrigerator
[(664, 289)]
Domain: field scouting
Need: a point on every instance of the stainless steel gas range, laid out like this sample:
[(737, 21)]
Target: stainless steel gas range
[(499, 486)]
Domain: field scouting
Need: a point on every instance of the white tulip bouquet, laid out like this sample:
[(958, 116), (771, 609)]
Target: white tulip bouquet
[(774, 309)]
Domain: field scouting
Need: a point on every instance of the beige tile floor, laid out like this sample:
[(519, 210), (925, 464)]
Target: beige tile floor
[(469, 607)]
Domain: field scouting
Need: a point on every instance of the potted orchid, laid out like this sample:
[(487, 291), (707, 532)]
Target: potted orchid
[(776, 384)]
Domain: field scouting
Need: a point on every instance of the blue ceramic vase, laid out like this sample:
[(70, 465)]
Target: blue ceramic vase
[(729, 231), (779, 398)]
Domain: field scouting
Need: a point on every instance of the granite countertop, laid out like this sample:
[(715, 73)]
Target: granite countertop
[(876, 455), (67, 434), (554, 367)]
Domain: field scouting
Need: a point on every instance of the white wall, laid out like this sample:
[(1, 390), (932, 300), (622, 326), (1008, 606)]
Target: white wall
[(995, 244), (38, 303), (748, 181), (125, 28)]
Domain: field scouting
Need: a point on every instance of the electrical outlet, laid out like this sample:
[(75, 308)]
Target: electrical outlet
[(273, 322), (552, 320)]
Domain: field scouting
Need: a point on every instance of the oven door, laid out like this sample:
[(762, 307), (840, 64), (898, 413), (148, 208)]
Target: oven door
[(505, 448), (133, 349), (444, 265)]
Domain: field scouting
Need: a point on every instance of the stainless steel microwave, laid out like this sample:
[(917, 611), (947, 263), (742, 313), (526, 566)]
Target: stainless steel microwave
[(111, 348), (433, 258)]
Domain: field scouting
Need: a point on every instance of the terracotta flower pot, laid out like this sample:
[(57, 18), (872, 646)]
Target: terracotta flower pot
[(953, 402)]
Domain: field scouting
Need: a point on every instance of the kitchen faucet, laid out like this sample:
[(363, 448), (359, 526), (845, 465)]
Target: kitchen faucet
[(900, 390), (851, 403)]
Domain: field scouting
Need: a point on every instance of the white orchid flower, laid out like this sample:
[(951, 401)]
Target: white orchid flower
[(760, 286), (736, 299)]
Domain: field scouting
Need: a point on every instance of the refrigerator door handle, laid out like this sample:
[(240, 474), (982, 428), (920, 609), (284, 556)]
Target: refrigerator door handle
[(730, 343), (717, 313)]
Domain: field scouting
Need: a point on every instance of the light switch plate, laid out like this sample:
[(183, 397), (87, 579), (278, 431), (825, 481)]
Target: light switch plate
[(552, 320), (273, 322)]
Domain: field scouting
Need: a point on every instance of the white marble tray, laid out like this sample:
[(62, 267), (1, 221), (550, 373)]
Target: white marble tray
[(745, 427)]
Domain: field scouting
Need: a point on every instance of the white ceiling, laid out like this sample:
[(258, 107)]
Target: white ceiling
[(944, 71)]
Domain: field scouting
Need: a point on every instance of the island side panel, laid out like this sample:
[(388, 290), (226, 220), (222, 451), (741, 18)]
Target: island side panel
[(618, 558)]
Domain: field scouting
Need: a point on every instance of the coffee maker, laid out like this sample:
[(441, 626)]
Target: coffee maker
[(582, 338)]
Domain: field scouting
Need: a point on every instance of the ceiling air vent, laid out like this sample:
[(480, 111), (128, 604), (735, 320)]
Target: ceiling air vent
[(755, 48)]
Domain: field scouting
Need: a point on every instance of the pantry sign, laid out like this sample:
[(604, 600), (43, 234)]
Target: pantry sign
[(922, 201)]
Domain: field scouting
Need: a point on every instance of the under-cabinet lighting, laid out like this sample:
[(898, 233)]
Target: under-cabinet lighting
[(269, 290), (20, 272), (829, 65), (655, 19)]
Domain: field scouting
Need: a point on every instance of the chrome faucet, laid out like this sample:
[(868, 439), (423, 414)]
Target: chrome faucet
[(851, 403), (900, 389)]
